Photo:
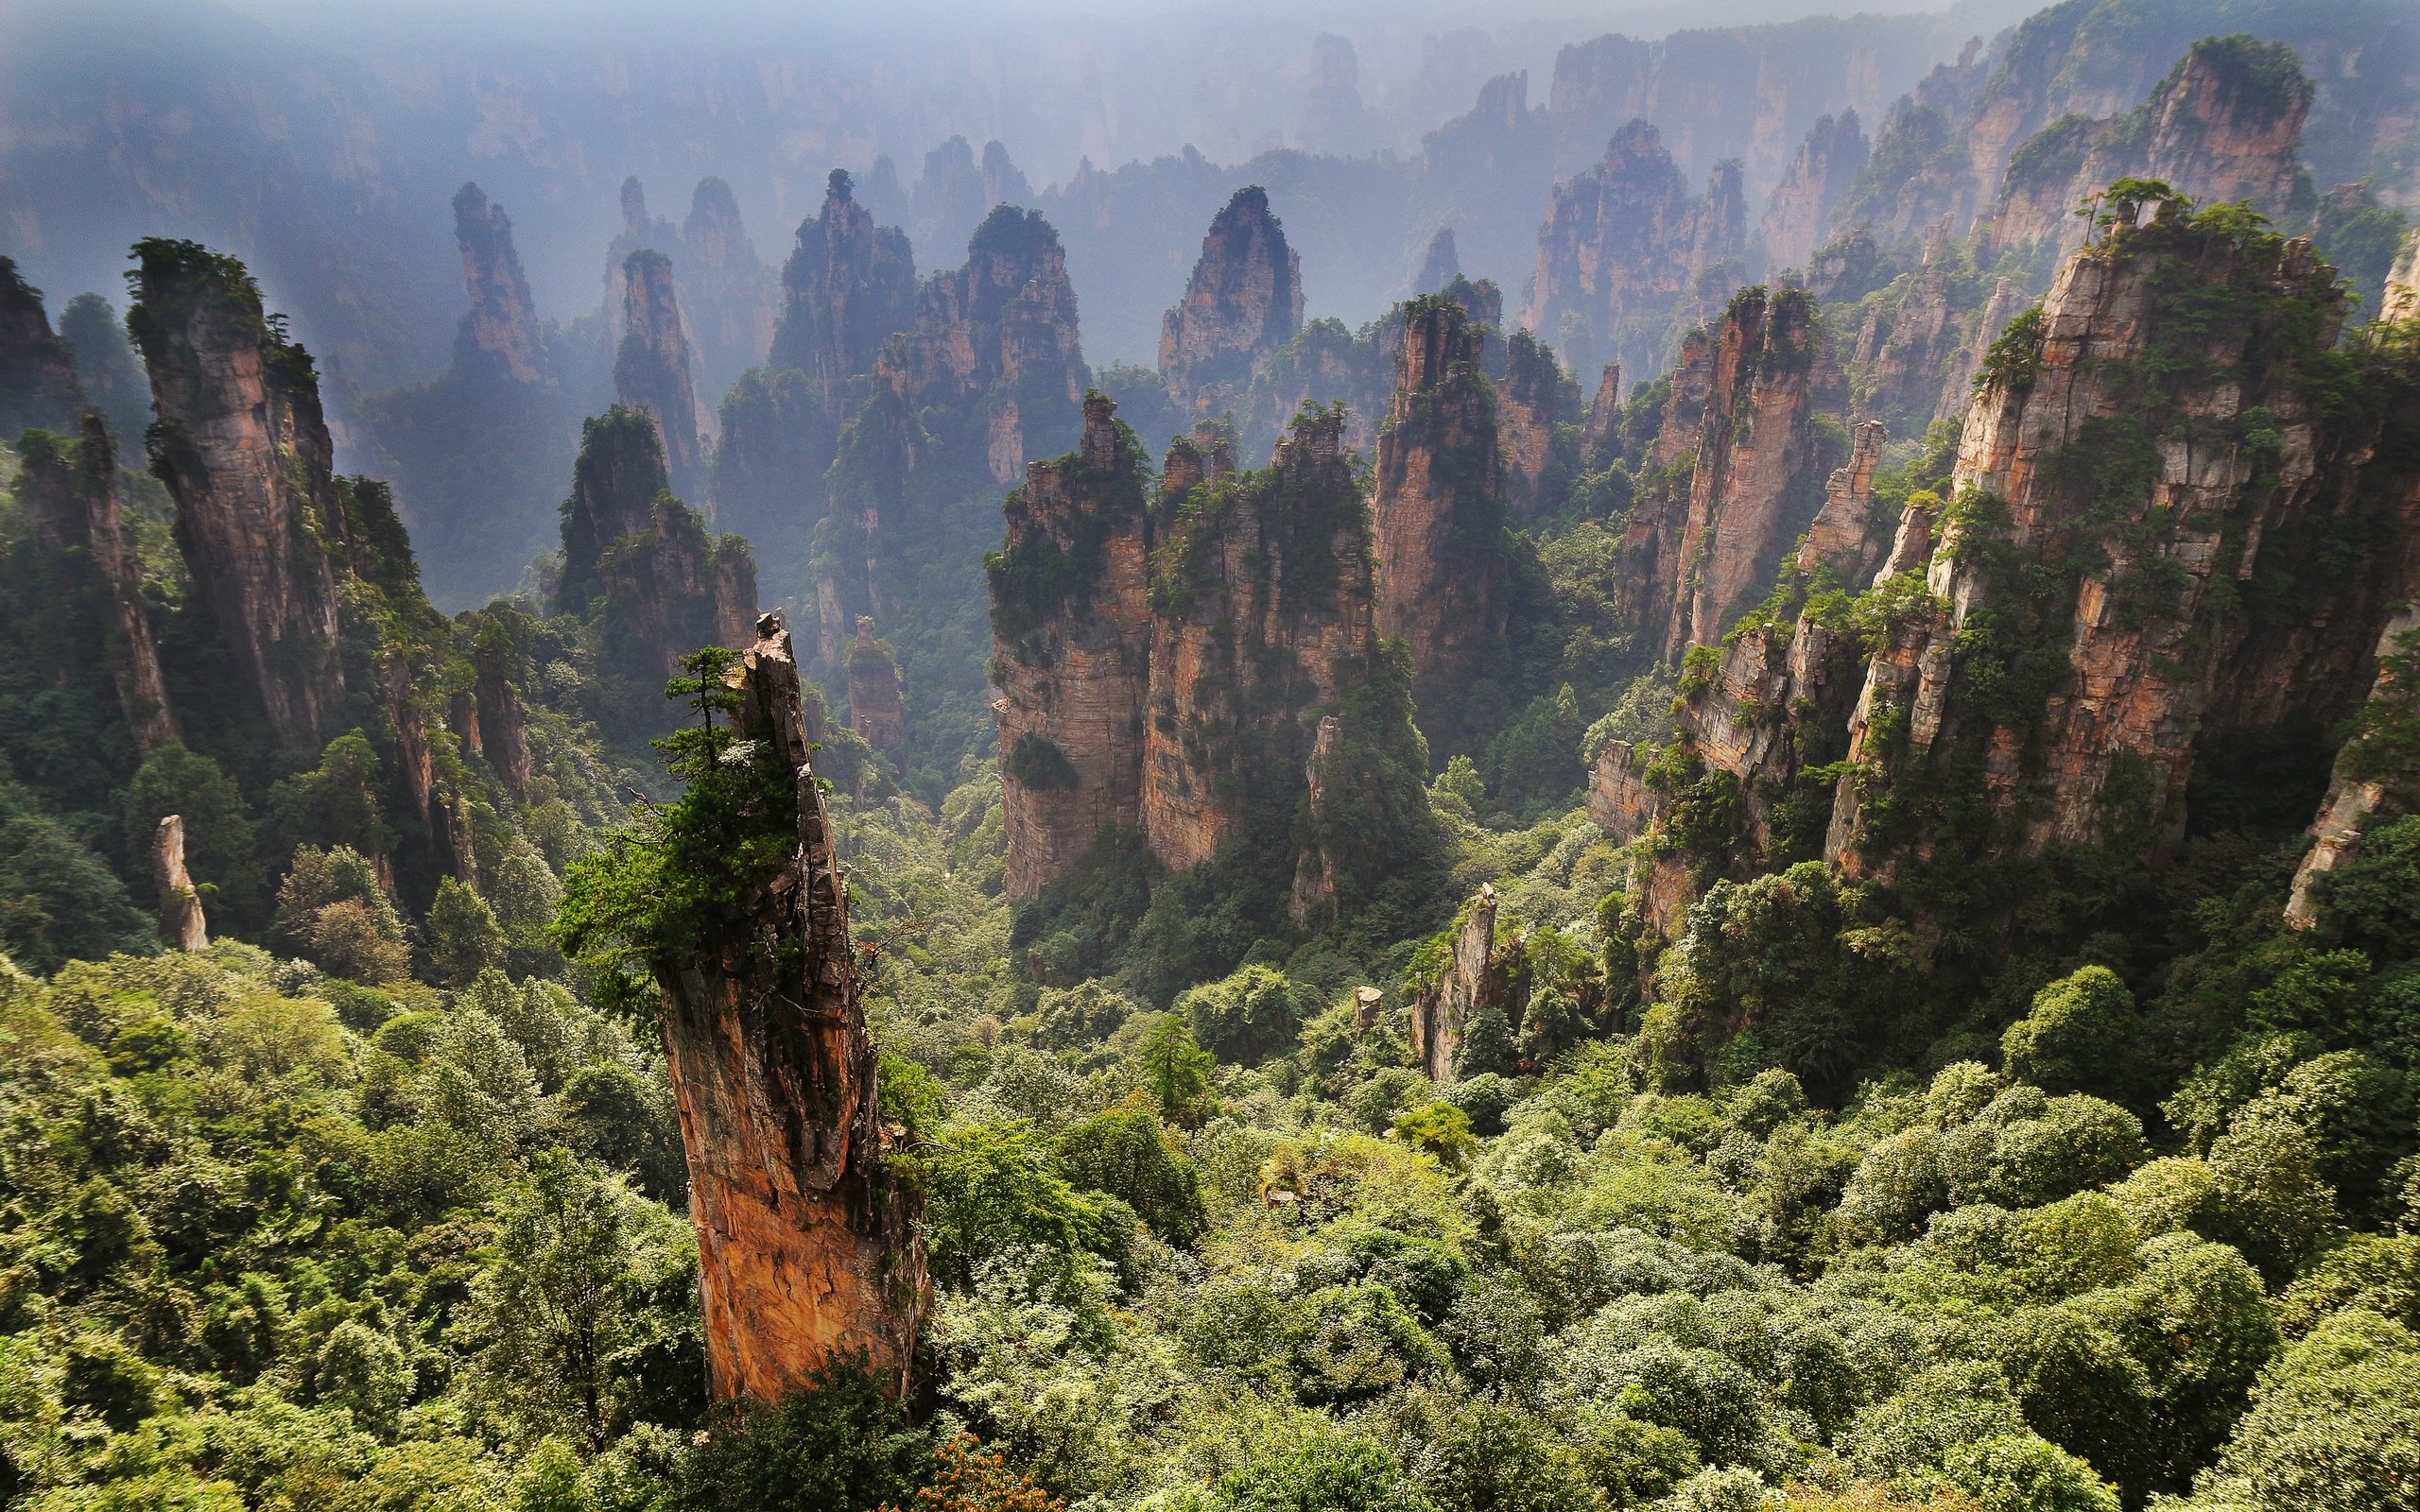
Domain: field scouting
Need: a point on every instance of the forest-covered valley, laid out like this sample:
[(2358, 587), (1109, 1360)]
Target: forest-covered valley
[(1779, 869)]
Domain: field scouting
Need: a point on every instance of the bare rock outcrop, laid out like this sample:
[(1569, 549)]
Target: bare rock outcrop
[(1071, 625), (38, 382), (69, 495), (651, 370), (1623, 244), (180, 917), (1532, 397), (1798, 216), (2364, 789), (1599, 437), (498, 716), (1242, 304), (503, 320), (727, 292), (1480, 973), (807, 1245), (849, 287), (875, 710), (1439, 512), (2147, 546), (1847, 539), (243, 448)]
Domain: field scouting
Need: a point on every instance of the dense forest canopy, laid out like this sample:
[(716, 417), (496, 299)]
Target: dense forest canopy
[(1774, 872)]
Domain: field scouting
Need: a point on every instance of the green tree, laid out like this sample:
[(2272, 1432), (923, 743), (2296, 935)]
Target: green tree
[(1245, 1017), (463, 936), (2077, 1036), (2018, 1473), (219, 843), (2336, 1426), (841, 1446), (1177, 1070), (1129, 1155), (1320, 1472)]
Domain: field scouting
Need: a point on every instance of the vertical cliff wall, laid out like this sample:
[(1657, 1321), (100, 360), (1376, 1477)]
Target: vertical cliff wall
[(1242, 304), (726, 291), (38, 382), (2151, 482), (876, 711), (503, 321), (848, 286), (1071, 650), (651, 370), (1441, 528), (245, 453), (807, 1247), (1799, 214), (1622, 245), (70, 497)]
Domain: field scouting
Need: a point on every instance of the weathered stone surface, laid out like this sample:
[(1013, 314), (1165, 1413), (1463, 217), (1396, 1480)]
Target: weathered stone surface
[(849, 285), (1242, 304), (1313, 899), (876, 711), (727, 292), (1623, 244), (1754, 488), (651, 369), (1476, 974), (1619, 802), (70, 498), (181, 918), (1798, 216), (2402, 301), (38, 382), (502, 723), (503, 320), (1439, 510), (1847, 537), (1074, 666), (620, 471), (1531, 399), (1599, 441), (807, 1241), (2162, 661), (245, 453), (2357, 798), (1264, 613)]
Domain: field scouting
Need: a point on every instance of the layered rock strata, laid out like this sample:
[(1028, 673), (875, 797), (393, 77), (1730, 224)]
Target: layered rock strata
[(1242, 304), (503, 320), (809, 1249), (1798, 215), (2188, 583), (245, 453)]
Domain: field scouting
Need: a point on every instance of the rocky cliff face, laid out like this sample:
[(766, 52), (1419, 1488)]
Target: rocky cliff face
[(1532, 397), (502, 322), (1625, 242), (181, 922), (1264, 610), (1175, 666), (1847, 539), (498, 716), (244, 453), (1438, 265), (641, 233), (2184, 583), (1439, 511), (69, 496), (651, 369), (1071, 649), (1798, 216), (1242, 304), (875, 710), (1476, 976), (1742, 410), (641, 564), (849, 285), (2226, 123), (807, 1246), (1599, 436), (727, 292), (38, 384)]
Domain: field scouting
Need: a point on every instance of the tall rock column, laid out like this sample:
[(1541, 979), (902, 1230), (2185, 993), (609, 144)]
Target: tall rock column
[(180, 917), (243, 448), (1071, 635), (849, 285), (38, 382), (1800, 212), (651, 370), (503, 320), (1243, 301), (875, 710), (729, 292), (1439, 513), (807, 1243), (71, 499), (2193, 592)]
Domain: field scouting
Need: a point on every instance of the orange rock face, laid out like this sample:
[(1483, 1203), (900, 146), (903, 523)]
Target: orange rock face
[(1440, 509), (1073, 663), (807, 1247), (1243, 301), (2166, 537), (245, 452)]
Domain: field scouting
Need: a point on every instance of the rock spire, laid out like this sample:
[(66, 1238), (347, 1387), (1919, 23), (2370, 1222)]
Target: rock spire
[(1242, 304)]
